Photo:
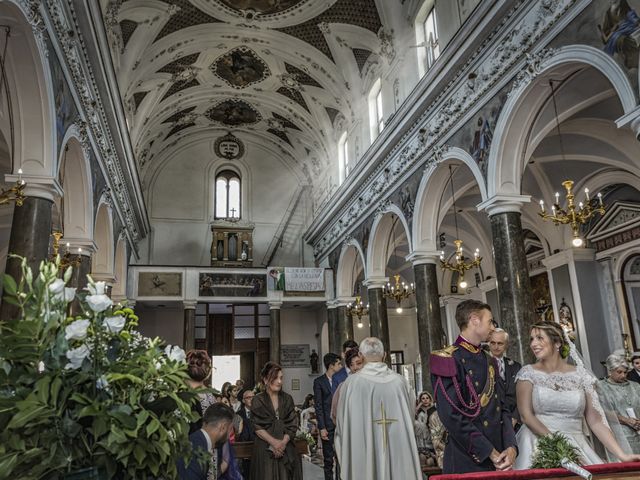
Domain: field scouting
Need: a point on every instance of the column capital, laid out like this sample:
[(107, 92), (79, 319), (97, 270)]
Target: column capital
[(569, 255), (631, 120), (421, 257), (38, 186), (275, 305), (189, 304), (331, 304), (88, 247), (375, 282), (344, 301), (503, 203), (108, 279), (488, 285), (130, 302)]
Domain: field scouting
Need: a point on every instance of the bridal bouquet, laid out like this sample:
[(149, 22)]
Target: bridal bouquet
[(86, 392), (556, 451)]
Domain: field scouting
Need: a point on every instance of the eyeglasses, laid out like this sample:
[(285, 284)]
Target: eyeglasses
[(495, 324)]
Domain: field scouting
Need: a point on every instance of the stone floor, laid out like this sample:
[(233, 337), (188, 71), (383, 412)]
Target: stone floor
[(310, 471)]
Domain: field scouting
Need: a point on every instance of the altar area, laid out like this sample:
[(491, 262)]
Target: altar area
[(608, 471)]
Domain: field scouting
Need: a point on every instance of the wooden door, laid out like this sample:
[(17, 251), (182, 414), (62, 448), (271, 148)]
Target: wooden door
[(221, 334)]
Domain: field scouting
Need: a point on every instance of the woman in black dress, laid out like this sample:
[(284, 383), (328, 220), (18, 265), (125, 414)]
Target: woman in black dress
[(274, 417)]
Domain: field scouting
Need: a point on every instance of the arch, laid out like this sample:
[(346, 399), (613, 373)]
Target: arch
[(505, 164), (31, 87), (102, 262), (381, 231), (77, 205), (427, 210), (346, 275), (119, 290)]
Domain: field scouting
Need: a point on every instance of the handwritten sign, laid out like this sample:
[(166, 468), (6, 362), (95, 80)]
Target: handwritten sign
[(294, 356), (304, 279)]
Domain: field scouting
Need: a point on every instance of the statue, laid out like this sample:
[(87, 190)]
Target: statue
[(313, 358)]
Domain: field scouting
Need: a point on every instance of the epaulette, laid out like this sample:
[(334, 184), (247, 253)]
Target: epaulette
[(442, 362)]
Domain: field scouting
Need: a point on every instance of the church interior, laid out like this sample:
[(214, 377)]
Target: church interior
[(266, 179)]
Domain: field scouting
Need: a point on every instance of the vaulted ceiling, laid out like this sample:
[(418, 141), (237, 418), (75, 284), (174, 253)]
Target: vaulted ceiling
[(282, 71)]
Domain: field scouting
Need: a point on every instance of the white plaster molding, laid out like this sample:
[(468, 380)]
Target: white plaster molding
[(421, 257), (88, 246), (275, 305), (189, 304), (488, 285), (568, 256), (375, 282), (504, 203), (38, 186)]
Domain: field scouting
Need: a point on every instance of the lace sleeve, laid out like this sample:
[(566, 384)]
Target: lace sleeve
[(589, 383), (525, 374)]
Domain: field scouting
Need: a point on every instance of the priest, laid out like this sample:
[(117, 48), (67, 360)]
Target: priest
[(374, 432)]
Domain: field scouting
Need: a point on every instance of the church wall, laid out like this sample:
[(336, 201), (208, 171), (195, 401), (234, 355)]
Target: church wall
[(164, 322), (181, 203), (302, 326)]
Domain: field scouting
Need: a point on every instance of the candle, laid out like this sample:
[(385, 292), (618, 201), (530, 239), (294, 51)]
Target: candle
[(600, 198), (580, 204), (442, 255), (542, 205), (586, 193), (557, 198), (553, 210)]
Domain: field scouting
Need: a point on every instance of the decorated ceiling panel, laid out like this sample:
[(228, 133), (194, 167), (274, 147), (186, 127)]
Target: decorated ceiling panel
[(262, 67)]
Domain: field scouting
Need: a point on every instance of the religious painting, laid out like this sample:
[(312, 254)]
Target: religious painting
[(542, 296), (234, 113), (159, 284), (240, 67), (620, 32), (232, 285), (263, 7), (229, 147), (65, 107)]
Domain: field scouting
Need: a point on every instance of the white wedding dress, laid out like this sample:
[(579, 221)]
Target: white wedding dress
[(558, 401)]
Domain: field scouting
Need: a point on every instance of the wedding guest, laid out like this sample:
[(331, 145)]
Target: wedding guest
[(323, 394), (199, 369), (507, 369), (439, 437), (623, 398), (425, 407), (555, 396), (634, 372), (354, 362), (341, 375), (276, 423)]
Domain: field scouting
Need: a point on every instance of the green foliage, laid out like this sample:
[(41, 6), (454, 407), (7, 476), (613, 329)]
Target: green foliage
[(84, 391), (307, 437), (552, 449)]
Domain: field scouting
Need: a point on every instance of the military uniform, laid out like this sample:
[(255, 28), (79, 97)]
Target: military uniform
[(470, 401)]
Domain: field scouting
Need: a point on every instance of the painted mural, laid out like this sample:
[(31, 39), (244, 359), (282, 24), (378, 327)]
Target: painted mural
[(66, 112), (264, 7), (233, 113), (542, 296), (620, 32), (240, 67), (232, 285), (159, 284)]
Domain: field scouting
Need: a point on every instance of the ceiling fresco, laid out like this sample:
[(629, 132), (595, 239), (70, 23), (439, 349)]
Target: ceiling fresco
[(240, 68), (265, 68)]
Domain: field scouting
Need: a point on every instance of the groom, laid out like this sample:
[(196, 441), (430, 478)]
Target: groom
[(470, 399)]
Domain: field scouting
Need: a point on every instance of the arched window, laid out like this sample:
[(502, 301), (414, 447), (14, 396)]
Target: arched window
[(227, 195)]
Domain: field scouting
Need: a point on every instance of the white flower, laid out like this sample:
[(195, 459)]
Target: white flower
[(96, 288), (175, 353), (76, 356), (158, 365), (114, 324), (102, 383), (69, 294), (76, 330), (99, 302), (41, 366), (56, 289)]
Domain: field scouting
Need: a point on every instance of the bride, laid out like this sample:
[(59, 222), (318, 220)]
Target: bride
[(554, 396)]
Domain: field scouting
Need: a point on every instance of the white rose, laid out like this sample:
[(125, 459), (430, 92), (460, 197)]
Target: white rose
[(175, 353), (96, 288), (69, 294), (99, 302), (76, 330), (114, 324), (76, 356), (102, 383), (56, 289)]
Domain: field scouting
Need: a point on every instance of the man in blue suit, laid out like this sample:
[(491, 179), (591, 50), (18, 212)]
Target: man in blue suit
[(342, 374), (322, 396), (216, 424)]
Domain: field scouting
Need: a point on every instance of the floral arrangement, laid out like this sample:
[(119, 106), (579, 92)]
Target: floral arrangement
[(87, 391), (553, 450), (307, 437)]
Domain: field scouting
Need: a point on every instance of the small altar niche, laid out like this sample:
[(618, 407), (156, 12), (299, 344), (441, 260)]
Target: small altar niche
[(231, 244)]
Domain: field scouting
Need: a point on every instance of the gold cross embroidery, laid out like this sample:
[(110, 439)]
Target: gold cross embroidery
[(384, 421)]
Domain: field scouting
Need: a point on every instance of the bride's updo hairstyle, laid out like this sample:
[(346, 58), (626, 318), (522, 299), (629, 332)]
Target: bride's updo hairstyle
[(556, 335), (198, 364)]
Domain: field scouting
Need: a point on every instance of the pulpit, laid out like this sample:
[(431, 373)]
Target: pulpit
[(607, 471), (232, 243)]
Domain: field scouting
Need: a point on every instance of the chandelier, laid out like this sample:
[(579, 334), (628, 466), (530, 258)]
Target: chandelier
[(66, 260), (358, 310), (572, 215), (15, 193), (399, 291), (459, 264)]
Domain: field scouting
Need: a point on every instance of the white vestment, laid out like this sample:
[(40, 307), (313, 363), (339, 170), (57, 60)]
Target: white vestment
[(374, 426)]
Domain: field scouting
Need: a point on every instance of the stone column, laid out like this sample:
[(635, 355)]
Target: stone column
[(30, 230), (378, 312), (344, 324), (189, 326), (274, 332), (431, 335), (332, 327), (79, 276), (517, 313)]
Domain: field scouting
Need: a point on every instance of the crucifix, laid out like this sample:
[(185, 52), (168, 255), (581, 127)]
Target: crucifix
[(233, 213), (384, 421)]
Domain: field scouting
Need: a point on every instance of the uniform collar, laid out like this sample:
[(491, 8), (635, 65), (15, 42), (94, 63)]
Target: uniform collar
[(467, 345)]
